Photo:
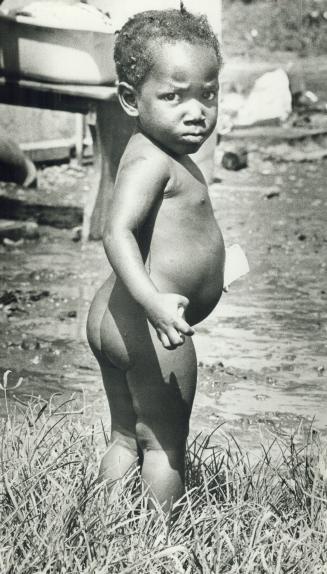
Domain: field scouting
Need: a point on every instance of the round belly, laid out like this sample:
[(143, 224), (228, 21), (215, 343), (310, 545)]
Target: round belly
[(193, 269)]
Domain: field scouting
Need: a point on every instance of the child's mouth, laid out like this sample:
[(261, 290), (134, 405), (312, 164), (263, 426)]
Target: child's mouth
[(193, 137)]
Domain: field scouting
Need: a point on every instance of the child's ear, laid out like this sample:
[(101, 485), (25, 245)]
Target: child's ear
[(128, 99)]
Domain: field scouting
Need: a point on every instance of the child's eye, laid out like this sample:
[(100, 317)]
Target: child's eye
[(209, 95), (171, 97)]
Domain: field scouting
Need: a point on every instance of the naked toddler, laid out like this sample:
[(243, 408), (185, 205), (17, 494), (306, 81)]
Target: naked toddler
[(164, 245)]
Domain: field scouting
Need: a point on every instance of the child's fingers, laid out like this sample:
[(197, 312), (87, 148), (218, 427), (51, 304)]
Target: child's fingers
[(184, 327), (164, 339), (170, 340), (182, 305), (181, 311), (181, 324), (175, 337)]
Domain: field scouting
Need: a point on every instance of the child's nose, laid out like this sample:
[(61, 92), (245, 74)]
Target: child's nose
[(194, 112)]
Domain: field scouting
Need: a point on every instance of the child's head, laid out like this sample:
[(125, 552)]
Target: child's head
[(134, 44), (168, 64)]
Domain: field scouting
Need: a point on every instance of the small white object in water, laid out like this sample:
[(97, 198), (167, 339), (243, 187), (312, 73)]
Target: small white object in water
[(236, 265)]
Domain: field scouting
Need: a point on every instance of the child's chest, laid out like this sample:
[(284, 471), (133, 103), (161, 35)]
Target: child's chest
[(189, 203), (188, 190)]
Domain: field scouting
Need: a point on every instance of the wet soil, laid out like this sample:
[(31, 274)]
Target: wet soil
[(262, 352)]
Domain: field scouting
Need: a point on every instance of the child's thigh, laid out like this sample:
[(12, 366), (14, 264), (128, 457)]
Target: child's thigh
[(123, 418), (162, 384)]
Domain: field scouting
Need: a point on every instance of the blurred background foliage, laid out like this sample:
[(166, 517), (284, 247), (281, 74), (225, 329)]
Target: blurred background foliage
[(251, 26)]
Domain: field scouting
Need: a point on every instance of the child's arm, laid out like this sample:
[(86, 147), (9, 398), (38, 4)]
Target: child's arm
[(139, 190)]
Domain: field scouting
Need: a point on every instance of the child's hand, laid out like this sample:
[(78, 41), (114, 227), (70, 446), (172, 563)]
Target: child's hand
[(166, 313)]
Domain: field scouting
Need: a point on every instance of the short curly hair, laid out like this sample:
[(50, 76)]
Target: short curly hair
[(134, 57)]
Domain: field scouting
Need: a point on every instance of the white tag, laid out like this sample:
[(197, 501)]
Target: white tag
[(236, 264)]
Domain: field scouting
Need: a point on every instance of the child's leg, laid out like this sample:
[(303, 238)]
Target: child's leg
[(153, 411), (123, 450), (162, 384)]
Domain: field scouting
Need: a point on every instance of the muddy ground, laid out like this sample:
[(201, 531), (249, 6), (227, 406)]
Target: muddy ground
[(262, 352)]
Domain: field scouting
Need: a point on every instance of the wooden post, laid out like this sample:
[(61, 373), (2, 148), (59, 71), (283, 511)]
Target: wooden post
[(79, 136), (113, 130)]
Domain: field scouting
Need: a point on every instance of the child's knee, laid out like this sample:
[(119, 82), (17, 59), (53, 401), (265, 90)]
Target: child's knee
[(121, 455), (160, 434), (161, 423), (125, 440)]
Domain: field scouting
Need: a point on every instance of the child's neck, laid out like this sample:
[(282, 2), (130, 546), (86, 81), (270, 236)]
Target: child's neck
[(178, 157)]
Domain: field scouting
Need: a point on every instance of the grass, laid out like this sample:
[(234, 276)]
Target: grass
[(238, 516)]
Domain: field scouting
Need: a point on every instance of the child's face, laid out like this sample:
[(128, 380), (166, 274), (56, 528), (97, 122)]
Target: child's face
[(178, 101)]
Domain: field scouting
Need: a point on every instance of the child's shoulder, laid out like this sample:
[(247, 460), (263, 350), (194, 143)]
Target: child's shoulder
[(143, 152)]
